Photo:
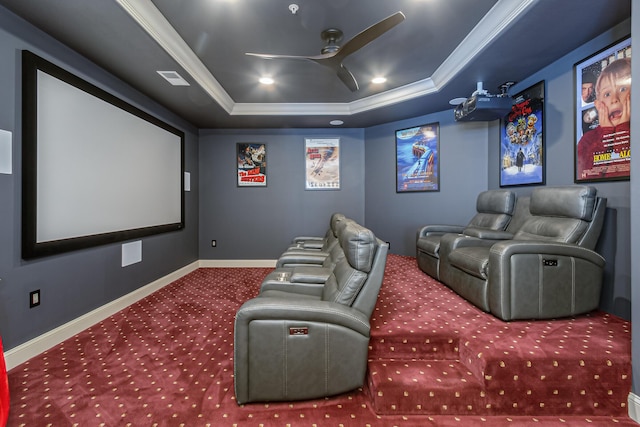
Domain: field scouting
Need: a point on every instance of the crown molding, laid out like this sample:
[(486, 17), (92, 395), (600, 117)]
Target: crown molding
[(501, 16), (154, 23)]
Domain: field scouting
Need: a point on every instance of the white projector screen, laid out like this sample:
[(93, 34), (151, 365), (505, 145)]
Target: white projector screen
[(96, 170)]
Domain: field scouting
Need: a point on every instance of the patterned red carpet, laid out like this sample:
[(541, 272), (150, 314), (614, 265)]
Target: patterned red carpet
[(434, 361)]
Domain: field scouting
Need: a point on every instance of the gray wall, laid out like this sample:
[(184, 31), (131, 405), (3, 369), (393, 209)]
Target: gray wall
[(259, 222), (395, 217), (77, 282)]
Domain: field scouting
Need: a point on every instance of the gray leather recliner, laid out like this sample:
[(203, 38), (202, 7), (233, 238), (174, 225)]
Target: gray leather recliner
[(546, 268), (494, 209), (316, 242), (308, 279), (295, 347), (309, 253)]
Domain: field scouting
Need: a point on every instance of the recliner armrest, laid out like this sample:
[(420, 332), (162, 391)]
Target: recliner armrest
[(301, 257), (303, 274), (292, 290), (542, 280), (305, 280), (304, 310), (299, 239), (313, 244), (307, 245), (439, 229), (486, 233), (502, 250)]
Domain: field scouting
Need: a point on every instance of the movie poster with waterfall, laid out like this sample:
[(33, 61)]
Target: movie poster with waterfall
[(522, 139), (418, 158)]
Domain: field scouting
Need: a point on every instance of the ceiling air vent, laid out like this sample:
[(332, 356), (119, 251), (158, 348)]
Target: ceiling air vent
[(174, 78)]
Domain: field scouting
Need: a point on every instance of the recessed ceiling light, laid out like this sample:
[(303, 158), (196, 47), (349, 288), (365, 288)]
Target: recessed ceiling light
[(174, 78), (378, 80), (266, 80), (336, 122)]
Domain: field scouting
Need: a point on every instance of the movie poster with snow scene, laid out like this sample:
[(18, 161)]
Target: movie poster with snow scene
[(522, 139)]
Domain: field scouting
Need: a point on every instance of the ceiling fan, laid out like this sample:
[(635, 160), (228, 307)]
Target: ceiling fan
[(332, 54)]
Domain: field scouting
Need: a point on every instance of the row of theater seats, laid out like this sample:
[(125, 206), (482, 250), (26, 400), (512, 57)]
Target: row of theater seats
[(522, 257), (306, 334)]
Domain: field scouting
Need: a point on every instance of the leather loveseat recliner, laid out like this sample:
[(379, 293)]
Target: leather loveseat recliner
[(289, 346), (494, 209), (546, 268)]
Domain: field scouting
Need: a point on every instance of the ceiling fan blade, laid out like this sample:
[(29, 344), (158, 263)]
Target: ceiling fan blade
[(309, 58), (367, 36), (347, 78)]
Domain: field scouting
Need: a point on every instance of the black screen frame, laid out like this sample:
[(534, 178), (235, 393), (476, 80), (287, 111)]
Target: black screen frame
[(31, 248)]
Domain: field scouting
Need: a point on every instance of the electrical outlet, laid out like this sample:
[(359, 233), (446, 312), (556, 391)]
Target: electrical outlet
[(214, 243), (34, 298)]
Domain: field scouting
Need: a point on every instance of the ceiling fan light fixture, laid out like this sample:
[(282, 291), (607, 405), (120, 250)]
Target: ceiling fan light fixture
[(266, 80), (378, 80)]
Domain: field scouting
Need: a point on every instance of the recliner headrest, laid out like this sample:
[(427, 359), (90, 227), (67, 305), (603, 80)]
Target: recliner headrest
[(359, 246), (570, 202), (335, 219), (496, 201)]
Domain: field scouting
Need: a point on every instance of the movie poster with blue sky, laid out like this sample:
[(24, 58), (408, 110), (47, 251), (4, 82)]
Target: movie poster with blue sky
[(522, 139), (417, 158)]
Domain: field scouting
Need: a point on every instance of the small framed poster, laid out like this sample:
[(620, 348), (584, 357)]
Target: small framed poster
[(603, 115), (522, 139), (252, 164), (418, 158), (322, 163)]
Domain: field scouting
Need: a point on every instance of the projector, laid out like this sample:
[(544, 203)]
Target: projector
[(483, 107)]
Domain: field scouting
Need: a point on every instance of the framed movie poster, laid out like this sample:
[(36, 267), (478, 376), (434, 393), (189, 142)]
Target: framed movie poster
[(252, 164), (418, 158), (322, 163), (522, 139), (602, 115)]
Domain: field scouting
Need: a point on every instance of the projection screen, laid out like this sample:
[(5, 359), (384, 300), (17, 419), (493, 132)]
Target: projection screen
[(96, 170)]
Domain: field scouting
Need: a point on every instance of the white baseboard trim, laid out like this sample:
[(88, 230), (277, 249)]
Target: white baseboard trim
[(634, 407), (37, 345), (239, 263)]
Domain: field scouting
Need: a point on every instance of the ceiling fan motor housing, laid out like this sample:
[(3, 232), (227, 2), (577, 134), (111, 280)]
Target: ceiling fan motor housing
[(331, 36)]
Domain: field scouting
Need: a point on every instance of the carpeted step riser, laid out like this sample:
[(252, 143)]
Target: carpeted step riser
[(449, 388), (414, 347), (539, 367), (423, 387)]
